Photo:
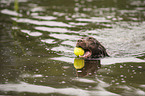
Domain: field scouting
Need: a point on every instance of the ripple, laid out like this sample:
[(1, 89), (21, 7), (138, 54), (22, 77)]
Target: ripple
[(62, 49), (122, 41), (36, 8), (128, 11), (58, 13), (31, 76), (69, 43), (48, 29), (138, 3), (31, 33), (49, 41), (65, 36), (64, 59), (133, 91), (142, 86), (9, 12), (85, 80), (35, 34), (25, 87), (108, 61), (78, 24), (11, 1), (93, 19), (36, 22), (45, 17)]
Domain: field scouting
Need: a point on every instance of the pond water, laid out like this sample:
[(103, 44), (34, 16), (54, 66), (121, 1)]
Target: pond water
[(38, 38)]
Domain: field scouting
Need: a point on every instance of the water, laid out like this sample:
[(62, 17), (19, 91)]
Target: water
[(38, 37)]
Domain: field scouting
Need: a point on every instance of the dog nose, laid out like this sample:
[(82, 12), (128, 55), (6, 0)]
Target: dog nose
[(80, 40)]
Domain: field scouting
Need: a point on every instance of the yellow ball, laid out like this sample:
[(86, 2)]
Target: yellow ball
[(78, 51), (79, 63)]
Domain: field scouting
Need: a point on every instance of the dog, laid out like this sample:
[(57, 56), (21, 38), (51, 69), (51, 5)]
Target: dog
[(92, 48)]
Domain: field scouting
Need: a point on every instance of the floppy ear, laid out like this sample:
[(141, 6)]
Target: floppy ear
[(97, 42), (102, 51)]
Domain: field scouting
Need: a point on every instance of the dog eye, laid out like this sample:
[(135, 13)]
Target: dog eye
[(90, 38)]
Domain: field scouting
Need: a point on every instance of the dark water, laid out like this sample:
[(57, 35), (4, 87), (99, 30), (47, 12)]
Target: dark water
[(38, 37)]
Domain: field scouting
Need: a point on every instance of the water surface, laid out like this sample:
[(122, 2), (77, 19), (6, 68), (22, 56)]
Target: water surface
[(38, 37)]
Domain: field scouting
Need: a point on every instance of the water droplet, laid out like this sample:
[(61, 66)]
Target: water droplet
[(63, 82), (131, 66), (117, 83), (121, 66), (139, 66), (121, 75), (113, 80), (79, 71), (123, 81)]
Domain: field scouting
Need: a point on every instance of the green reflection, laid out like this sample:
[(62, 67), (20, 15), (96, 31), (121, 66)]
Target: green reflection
[(16, 6)]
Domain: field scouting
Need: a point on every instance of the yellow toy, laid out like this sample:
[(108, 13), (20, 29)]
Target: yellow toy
[(79, 63), (78, 51)]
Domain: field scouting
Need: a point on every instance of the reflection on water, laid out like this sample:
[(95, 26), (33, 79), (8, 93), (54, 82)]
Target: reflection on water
[(38, 38), (86, 67)]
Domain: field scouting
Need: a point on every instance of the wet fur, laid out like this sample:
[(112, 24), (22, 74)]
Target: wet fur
[(92, 47)]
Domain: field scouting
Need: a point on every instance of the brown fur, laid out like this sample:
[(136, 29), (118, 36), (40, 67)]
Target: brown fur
[(92, 47)]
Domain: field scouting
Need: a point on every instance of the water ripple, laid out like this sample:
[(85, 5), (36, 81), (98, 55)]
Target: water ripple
[(45, 17), (36, 22), (9, 12), (49, 41), (25, 87), (31, 33), (65, 36), (93, 19), (48, 29)]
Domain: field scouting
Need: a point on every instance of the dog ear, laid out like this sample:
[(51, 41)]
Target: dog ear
[(102, 51)]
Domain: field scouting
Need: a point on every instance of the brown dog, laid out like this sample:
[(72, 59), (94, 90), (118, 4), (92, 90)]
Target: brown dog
[(92, 48)]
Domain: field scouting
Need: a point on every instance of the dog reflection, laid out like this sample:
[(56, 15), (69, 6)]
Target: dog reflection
[(86, 67)]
